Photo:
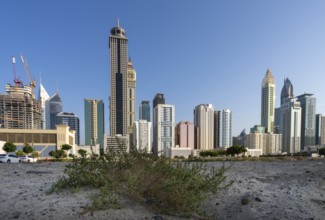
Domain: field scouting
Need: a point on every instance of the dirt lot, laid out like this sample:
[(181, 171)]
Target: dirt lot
[(262, 190)]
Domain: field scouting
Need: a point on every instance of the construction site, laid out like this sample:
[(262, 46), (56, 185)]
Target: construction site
[(18, 108)]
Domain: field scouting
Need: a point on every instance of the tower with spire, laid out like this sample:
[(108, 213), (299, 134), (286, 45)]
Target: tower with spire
[(118, 45), (290, 119), (53, 106), (42, 97), (268, 101)]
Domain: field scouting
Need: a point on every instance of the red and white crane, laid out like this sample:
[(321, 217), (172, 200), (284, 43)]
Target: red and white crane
[(17, 81), (32, 82)]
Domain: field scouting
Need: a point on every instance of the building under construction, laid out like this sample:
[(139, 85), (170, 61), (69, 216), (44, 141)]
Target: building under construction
[(19, 109)]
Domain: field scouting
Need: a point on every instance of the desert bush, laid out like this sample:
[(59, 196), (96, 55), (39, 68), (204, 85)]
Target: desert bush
[(177, 188)]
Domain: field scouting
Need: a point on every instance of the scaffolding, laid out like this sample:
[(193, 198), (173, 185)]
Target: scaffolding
[(19, 109)]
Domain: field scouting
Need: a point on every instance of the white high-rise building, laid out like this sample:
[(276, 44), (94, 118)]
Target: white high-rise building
[(290, 120), (42, 97), (290, 126), (225, 128), (204, 126), (268, 101), (164, 125), (142, 135)]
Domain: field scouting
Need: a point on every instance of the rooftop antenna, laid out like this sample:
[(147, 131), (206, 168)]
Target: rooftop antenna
[(118, 22)]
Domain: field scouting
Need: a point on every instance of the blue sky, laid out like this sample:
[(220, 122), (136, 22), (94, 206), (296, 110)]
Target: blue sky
[(192, 51)]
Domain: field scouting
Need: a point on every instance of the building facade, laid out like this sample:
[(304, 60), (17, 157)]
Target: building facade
[(144, 111), (322, 142), (216, 129), (204, 126), (42, 140), (19, 109), (131, 99), (142, 135), (225, 128), (268, 101), (72, 120), (94, 122), (308, 119), (269, 143), (164, 127), (53, 106), (158, 99), (318, 130), (118, 46), (184, 134)]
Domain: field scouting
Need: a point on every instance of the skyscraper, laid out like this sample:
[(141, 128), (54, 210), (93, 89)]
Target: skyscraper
[(204, 126), (131, 99), (164, 125), (225, 128), (94, 122), (42, 97), (144, 111), (290, 119), (53, 106), (268, 100), (118, 45), (308, 119), (70, 119)]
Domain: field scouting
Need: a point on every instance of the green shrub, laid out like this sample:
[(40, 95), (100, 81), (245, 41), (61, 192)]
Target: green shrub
[(177, 188), (9, 147)]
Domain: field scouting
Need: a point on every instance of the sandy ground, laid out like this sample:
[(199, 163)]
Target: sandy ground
[(272, 190)]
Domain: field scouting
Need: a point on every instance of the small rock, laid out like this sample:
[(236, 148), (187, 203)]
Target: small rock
[(217, 203), (245, 201), (258, 199), (16, 215), (158, 217), (308, 171)]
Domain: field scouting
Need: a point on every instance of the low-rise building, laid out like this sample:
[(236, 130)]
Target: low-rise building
[(42, 140)]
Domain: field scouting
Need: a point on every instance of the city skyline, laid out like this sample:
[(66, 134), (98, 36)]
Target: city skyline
[(225, 70)]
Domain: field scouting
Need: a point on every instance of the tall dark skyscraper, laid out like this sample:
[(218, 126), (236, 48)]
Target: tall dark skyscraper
[(70, 119), (118, 45), (159, 99), (144, 111)]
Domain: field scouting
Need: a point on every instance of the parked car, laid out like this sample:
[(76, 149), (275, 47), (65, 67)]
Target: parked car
[(28, 159), (9, 158)]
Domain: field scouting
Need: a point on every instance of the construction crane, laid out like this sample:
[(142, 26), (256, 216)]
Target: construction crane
[(17, 81), (32, 82)]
